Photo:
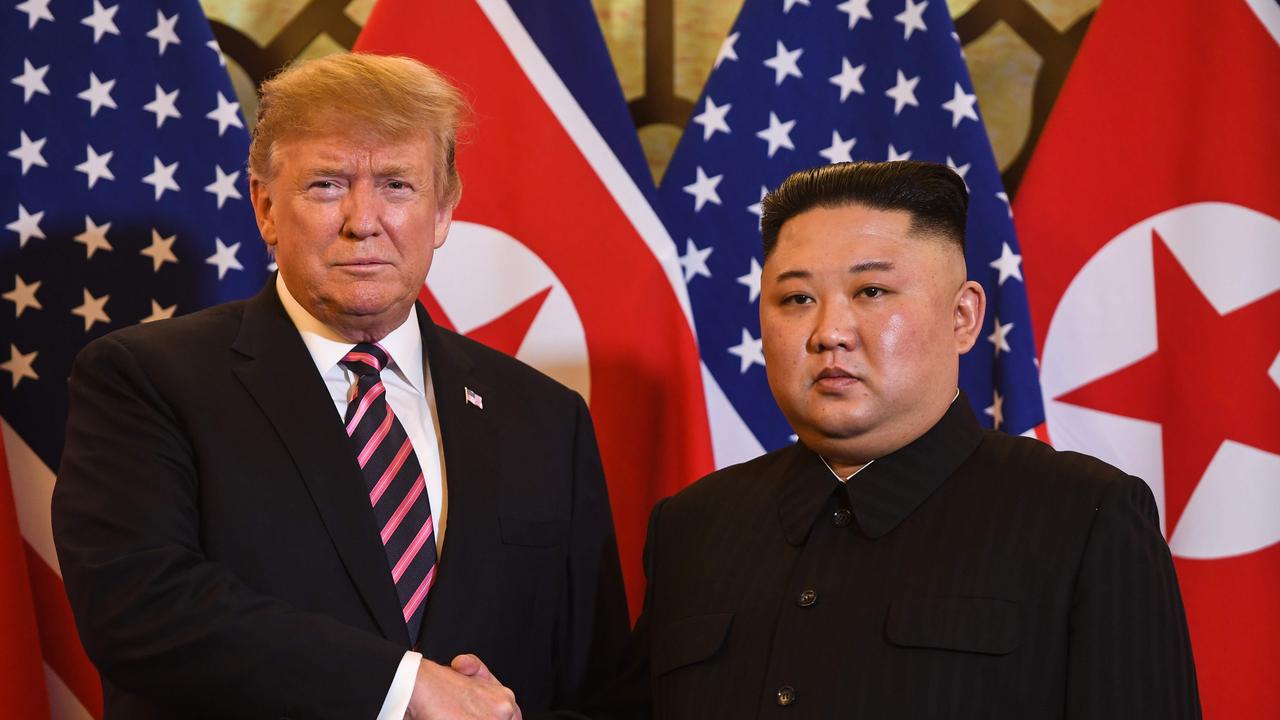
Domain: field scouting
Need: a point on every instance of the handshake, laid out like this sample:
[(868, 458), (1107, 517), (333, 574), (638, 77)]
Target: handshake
[(463, 690)]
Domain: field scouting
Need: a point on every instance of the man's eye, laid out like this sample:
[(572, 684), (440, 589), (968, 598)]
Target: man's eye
[(797, 300), (872, 292), (398, 185), (323, 184)]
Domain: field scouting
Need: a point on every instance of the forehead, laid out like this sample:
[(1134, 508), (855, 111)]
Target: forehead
[(353, 151)]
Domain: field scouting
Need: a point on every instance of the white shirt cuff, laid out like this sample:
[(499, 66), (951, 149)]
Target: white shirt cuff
[(397, 702)]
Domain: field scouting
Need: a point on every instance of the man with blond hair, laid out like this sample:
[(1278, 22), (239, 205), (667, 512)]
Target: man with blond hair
[(315, 502)]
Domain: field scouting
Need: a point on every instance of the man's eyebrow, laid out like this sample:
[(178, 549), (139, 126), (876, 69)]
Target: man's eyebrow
[(869, 265), (864, 266), (390, 170), (326, 170), (396, 170), (794, 275)]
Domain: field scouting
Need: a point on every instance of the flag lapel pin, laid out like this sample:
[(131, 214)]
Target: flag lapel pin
[(473, 398)]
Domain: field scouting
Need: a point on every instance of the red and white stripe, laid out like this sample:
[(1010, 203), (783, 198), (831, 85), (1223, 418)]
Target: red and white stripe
[(418, 595), (368, 399), (412, 551), (390, 474), (70, 681), (378, 436), (732, 440), (365, 358), (409, 499)]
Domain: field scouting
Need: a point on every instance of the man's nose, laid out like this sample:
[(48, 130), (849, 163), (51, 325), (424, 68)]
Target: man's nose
[(835, 329), (360, 212)]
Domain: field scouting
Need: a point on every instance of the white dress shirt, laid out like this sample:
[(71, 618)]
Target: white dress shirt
[(409, 392)]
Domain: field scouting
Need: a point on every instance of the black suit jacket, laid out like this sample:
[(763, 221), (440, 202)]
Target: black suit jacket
[(971, 574), (222, 559)]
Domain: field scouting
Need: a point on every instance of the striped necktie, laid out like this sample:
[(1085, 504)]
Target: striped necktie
[(397, 489)]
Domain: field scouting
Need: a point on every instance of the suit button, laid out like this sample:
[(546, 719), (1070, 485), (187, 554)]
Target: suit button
[(841, 517), (807, 598), (786, 695)]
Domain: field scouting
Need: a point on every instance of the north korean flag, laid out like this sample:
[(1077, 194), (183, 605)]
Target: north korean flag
[(556, 255), (1150, 220)]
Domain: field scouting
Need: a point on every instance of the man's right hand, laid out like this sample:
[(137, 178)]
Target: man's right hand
[(462, 692)]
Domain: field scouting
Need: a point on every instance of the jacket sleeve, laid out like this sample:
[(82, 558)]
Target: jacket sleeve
[(1129, 653), (157, 616), (594, 619)]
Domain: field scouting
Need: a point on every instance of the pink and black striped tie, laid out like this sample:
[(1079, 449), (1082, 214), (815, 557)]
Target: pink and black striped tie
[(397, 490)]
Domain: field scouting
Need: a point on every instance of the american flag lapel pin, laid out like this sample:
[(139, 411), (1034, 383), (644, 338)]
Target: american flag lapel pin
[(473, 398)]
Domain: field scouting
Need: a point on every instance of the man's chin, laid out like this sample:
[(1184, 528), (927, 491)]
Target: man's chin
[(362, 308), (849, 453), (835, 433), (372, 298), (845, 414), (842, 421)]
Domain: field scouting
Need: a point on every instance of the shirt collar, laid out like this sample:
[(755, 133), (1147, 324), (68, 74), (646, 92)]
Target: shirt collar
[(327, 346), (885, 492), (837, 475)]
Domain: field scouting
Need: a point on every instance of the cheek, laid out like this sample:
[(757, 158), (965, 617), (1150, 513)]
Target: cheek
[(416, 247), (896, 332), (413, 233), (785, 359), (914, 343), (306, 231), (397, 216), (780, 336), (900, 340)]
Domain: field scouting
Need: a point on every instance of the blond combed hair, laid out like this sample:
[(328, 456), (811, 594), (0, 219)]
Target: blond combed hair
[(390, 98)]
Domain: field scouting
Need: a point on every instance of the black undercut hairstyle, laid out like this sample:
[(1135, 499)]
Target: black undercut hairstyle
[(933, 194)]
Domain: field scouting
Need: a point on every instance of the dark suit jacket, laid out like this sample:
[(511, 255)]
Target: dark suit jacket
[(971, 574), (220, 552)]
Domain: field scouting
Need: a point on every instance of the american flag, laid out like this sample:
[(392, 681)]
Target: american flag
[(125, 200), (799, 83)]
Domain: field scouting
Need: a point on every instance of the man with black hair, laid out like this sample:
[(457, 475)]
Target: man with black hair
[(899, 561)]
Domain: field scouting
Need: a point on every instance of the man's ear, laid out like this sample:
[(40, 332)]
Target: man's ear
[(969, 310), (260, 196), (444, 218)]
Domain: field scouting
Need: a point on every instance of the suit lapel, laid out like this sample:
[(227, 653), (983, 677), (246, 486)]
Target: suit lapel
[(280, 375), (471, 474)]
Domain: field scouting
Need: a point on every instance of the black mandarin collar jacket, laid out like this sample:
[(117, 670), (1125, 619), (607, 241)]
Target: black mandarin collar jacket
[(971, 574), (883, 494)]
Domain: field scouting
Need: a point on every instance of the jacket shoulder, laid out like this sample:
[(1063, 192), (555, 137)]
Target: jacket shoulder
[(192, 335), (1059, 472)]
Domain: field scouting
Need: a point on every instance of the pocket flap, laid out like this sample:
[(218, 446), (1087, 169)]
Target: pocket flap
[(690, 640), (969, 624), (531, 533)]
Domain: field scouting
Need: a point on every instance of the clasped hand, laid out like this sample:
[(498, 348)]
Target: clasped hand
[(462, 691)]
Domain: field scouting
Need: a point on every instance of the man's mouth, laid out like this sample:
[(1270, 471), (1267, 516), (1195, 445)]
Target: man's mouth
[(834, 372), (367, 264), (834, 378)]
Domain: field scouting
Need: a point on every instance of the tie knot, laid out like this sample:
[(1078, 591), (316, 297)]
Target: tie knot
[(366, 359)]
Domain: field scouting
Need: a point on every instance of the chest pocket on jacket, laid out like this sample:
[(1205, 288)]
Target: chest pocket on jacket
[(689, 640), (979, 625)]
